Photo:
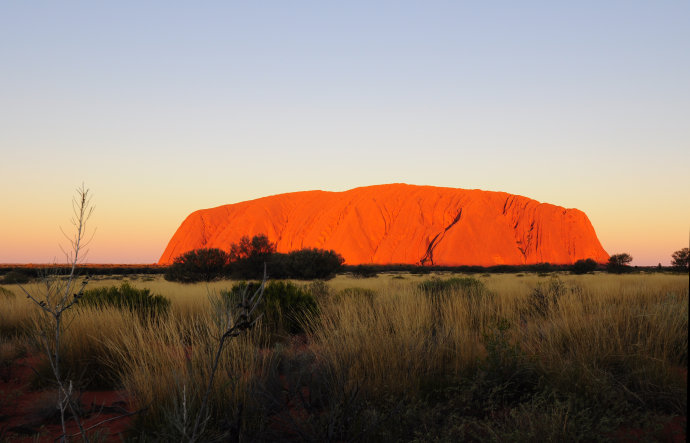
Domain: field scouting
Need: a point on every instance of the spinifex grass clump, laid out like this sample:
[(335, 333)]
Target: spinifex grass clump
[(84, 357), (472, 291), (319, 289), (168, 378), (126, 296), (467, 285), (361, 293), (283, 307), (170, 368), (607, 351), (397, 340), (545, 296)]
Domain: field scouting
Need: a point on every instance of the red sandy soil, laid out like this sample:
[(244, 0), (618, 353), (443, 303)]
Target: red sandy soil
[(25, 414), (671, 432), (400, 224), (674, 431)]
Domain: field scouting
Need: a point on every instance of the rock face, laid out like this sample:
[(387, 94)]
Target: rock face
[(400, 223)]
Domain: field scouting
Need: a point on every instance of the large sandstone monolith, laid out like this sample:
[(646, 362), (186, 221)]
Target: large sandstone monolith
[(400, 223)]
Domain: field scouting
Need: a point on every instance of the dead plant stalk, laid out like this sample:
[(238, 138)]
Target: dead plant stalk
[(236, 324), (58, 298)]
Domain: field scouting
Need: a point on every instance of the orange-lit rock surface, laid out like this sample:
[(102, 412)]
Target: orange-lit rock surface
[(400, 223)]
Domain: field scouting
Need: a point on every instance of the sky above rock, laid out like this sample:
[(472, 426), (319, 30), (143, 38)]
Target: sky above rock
[(164, 108)]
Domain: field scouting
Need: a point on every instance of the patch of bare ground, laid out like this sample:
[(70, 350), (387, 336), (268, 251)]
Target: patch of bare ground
[(670, 431), (31, 415)]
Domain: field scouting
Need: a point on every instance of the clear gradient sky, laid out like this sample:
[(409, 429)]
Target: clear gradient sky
[(162, 108)]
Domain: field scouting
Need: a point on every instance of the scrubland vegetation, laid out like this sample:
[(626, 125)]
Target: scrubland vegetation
[(247, 259), (398, 357)]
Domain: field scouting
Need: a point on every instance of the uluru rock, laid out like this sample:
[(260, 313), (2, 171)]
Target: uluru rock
[(402, 224)]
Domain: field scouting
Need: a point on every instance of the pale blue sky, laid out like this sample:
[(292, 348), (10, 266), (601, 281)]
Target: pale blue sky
[(167, 107)]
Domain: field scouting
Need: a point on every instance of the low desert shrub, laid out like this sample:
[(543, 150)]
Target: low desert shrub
[(619, 263), (284, 304), (15, 277), (248, 258), (198, 265), (545, 296), (681, 260), (584, 266), (168, 379), (364, 271), (436, 285), (307, 264), (303, 264), (544, 267), (127, 297), (84, 358)]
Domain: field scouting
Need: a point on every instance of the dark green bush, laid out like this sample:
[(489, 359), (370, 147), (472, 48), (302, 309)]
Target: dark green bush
[(364, 271), (544, 267), (308, 264), (468, 285), (584, 266), (619, 263), (680, 260), (283, 305), (259, 245), (247, 258), (127, 297), (198, 265), (16, 277)]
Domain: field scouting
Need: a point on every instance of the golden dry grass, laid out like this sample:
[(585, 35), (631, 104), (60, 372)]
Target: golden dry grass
[(402, 337), (601, 328)]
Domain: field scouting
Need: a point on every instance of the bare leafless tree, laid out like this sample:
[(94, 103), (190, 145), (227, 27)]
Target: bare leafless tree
[(57, 295)]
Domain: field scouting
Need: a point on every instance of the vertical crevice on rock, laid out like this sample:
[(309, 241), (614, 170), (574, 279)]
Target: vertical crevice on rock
[(204, 238), (429, 255)]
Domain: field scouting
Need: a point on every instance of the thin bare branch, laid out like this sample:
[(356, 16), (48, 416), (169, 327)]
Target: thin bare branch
[(57, 300), (236, 324), (119, 417)]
